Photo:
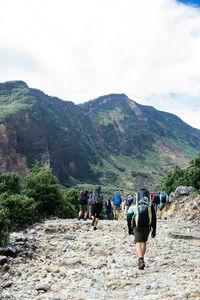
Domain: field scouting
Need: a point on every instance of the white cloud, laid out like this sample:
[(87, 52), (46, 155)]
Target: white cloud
[(188, 116), (85, 49)]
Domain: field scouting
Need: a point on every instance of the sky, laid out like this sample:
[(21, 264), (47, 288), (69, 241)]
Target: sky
[(79, 50)]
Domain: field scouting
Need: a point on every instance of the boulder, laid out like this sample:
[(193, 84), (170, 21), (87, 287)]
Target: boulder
[(181, 191)]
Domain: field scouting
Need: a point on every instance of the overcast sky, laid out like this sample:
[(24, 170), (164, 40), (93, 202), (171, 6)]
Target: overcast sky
[(79, 50)]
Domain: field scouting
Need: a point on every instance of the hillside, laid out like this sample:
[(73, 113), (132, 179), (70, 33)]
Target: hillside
[(112, 140)]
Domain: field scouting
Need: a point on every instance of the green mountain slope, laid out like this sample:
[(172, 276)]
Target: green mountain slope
[(111, 140)]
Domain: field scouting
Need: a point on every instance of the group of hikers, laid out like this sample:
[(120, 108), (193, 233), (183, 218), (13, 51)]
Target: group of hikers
[(140, 212)]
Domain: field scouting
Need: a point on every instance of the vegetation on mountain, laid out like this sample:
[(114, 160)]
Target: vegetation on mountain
[(189, 176), (112, 141)]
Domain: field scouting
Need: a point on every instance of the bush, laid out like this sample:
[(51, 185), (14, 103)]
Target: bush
[(20, 209), (189, 176), (4, 224), (42, 186), (10, 183), (68, 207)]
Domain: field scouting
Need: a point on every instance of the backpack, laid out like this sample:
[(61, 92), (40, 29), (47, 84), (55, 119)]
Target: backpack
[(97, 196), (83, 198), (117, 199), (163, 197), (143, 215), (156, 198), (108, 204), (91, 199), (129, 199)]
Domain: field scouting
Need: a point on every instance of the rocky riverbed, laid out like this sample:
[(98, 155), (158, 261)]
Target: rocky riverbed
[(67, 259)]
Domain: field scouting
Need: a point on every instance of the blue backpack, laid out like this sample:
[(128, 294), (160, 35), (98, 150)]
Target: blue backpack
[(117, 199)]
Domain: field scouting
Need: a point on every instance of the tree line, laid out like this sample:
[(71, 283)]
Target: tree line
[(39, 195)]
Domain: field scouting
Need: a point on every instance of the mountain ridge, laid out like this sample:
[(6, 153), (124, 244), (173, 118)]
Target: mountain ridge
[(111, 140)]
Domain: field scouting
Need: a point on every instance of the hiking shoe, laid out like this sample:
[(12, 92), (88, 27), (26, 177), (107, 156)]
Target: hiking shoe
[(93, 222), (141, 264), (95, 228)]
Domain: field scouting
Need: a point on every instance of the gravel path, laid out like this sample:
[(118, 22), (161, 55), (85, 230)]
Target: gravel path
[(72, 261)]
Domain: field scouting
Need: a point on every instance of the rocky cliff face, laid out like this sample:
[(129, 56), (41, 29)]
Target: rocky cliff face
[(22, 140), (111, 140)]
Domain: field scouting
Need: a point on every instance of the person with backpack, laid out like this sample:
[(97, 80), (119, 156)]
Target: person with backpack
[(108, 208), (83, 204), (164, 200), (117, 205), (129, 199), (97, 205), (155, 198), (141, 221), (90, 204)]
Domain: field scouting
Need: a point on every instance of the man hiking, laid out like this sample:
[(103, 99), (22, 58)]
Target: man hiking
[(143, 220), (97, 205), (83, 204), (164, 200), (117, 205)]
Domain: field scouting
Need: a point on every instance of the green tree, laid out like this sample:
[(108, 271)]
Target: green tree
[(20, 209), (10, 183), (68, 207), (42, 186), (189, 176), (173, 179), (193, 173), (4, 224)]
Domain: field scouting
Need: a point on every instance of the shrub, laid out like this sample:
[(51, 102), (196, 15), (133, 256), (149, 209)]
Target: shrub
[(4, 224), (42, 186), (10, 183), (68, 207), (189, 176), (20, 209)]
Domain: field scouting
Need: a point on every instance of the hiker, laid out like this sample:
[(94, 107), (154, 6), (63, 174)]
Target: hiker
[(83, 204), (129, 199), (155, 198), (140, 221), (90, 204), (117, 205), (108, 209), (130, 213), (97, 205), (164, 200)]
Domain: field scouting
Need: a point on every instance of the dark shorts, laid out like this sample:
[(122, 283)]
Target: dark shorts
[(96, 210), (83, 207), (163, 206), (141, 234)]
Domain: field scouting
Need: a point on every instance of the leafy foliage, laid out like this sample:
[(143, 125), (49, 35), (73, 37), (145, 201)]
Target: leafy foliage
[(189, 176), (68, 207), (4, 224), (10, 183), (41, 196), (42, 186), (14, 97), (20, 209)]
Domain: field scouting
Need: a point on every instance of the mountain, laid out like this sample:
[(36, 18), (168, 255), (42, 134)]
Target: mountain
[(112, 140)]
